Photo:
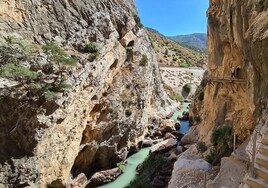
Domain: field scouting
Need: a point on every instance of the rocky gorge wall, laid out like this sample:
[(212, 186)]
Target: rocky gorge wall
[(106, 111), (224, 107), (237, 36)]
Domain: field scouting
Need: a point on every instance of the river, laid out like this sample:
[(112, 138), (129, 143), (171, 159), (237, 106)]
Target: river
[(130, 171), (184, 124), (134, 160)]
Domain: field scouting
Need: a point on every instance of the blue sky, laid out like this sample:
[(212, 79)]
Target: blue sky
[(174, 17)]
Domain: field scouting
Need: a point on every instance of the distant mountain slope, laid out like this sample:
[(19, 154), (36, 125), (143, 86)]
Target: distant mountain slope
[(196, 40), (171, 53)]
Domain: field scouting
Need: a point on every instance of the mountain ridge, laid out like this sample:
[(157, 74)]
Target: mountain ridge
[(195, 40)]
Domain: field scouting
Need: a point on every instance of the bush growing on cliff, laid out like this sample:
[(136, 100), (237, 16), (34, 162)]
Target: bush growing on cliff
[(58, 55), (197, 119), (177, 97), (144, 60), (50, 96), (221, 136), (127, 102), (222, 142), (90, 47), (128, 113), (14, 50), (137, 20), (187, 88), (211, 156), (17, 72), (201, 147)]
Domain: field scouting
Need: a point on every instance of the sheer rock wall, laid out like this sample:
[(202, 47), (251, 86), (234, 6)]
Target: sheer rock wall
[(94, 124)]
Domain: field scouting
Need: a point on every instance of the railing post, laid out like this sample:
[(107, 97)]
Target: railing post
[(234, 141), (205, 178), (252, 171)]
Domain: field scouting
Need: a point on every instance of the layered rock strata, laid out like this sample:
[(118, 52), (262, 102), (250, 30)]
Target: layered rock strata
[(106, 110)]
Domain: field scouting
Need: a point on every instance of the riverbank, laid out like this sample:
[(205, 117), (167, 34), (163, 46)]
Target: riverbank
[(129, 171), (157, 162)]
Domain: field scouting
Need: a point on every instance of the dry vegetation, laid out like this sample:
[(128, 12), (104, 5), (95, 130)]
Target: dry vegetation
[(172, 54)]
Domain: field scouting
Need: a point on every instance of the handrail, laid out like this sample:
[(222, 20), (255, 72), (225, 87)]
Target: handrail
[(226, 79)]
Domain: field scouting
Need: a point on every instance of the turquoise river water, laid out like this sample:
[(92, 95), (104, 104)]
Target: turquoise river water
[(132, 162), (130, 171)]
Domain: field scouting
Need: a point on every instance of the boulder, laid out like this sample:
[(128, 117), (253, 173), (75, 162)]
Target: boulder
[(79, 181), (189, 164), (164, 145), (177, 125), (169, 135), (178, 135), (157, 134), (167, 125), (147, 143), (103, 177)]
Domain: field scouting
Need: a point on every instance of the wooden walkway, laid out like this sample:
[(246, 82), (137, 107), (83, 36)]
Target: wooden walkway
[(227, 79)]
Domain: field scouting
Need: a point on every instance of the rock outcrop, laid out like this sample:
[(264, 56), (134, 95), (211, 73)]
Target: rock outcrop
[(237, 37), (106, 111)]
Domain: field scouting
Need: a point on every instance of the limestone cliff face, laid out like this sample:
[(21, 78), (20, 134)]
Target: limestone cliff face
[(106, 111), (237, 36)]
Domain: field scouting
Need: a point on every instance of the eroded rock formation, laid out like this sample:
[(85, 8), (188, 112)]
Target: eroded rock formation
[(104, 113), (237, 36)]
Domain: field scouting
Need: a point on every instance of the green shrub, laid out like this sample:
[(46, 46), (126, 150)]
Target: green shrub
[(121, 165), (128, 113), (186, 64), (61, 86), (149, 168), (166, 52), (15, 50), (201, 147), (187, 88), (17, 72), (197, 119), (174, 59), (50, 96), (59, 56), (137, 20), (211, 156), (144, 60), (177, 97), (221, 136), (91, 48), (127, 102)]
